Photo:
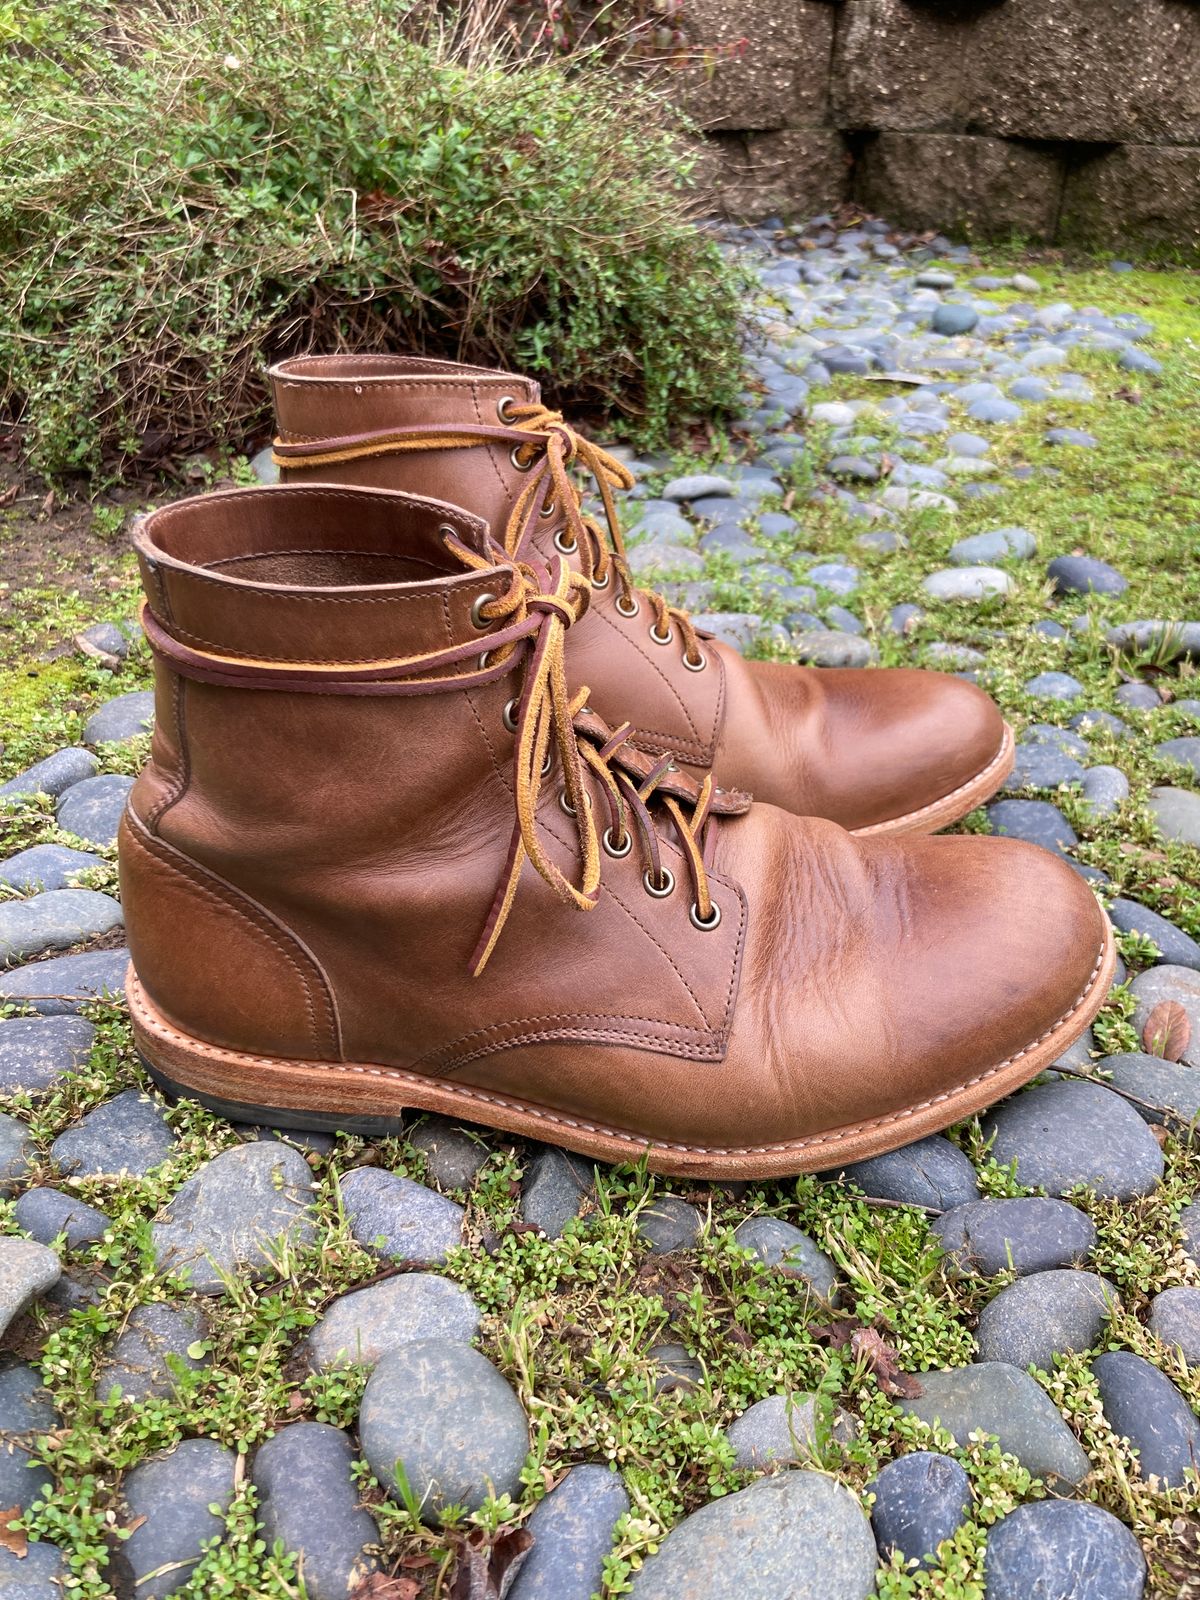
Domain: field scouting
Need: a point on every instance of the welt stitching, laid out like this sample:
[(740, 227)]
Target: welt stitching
[(637, 1142)]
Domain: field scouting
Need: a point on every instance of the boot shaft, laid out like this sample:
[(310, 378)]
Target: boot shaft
[(332, 839)]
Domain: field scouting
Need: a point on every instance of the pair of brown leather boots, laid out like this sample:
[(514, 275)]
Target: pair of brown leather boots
[(444, 813)]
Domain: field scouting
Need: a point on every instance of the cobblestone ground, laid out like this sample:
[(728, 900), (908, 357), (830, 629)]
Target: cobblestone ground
[(966, 1368)]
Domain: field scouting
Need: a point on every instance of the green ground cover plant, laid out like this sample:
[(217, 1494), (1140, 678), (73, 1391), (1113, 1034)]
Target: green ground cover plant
[(194, 186), (570, 1321)]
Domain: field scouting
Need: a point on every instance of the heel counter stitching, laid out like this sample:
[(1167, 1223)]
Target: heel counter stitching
[(210, 887)]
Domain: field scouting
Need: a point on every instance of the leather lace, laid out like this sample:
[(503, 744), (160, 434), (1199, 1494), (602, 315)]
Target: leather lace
[(532, 617), (545, 446)]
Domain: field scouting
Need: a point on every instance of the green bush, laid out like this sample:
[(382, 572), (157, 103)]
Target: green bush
[(192, 189)]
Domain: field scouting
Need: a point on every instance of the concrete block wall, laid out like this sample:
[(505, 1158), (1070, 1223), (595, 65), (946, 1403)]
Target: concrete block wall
[(1057, 119)]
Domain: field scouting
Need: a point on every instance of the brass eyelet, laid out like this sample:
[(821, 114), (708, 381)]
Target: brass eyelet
[(695, 666), (602, 583), (663, 887), (477, 616), (547, 763), (446, 531), (617, 849), (565, 804), (566, 542), (628, 608), (514, 456), (504, 407), (509, 715), (714, 919), (662, 638), (484, 659), (548, 509)]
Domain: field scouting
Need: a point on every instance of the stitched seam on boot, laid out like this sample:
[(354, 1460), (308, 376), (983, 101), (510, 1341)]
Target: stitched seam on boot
[(183, 771), (640, 1141), (696, 740), (256, 918)]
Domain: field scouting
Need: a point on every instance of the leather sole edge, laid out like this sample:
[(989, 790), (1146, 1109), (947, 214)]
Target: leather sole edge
[(955, 805), (361, 1098)]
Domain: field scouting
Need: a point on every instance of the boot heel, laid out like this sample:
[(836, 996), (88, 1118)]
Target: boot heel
[(276, 1116)]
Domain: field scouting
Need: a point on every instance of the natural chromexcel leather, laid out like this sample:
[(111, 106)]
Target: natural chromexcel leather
[(310, 856), (894, 750)]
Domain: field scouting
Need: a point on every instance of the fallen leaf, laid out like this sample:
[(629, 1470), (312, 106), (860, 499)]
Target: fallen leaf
[(378, 1586), (488, 1564), (14, 1539), (87, 648), (1168, 1032), (885, 1364)]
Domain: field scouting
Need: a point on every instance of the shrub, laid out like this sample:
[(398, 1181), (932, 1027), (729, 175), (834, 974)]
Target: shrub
[(195, 188)]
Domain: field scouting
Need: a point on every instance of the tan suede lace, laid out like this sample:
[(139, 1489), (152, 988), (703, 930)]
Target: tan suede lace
[(545, 446), (532, 616)]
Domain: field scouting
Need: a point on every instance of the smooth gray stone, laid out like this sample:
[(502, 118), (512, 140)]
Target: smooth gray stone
[(399, 1218), (45, 1213), (46, 866), (27, 1271), (126, 1134), (26, 1411), (18, 1153), (264, 467), (1002, 1400), (779, 1245), (1036, 821), (1062, 1550), (998, 410), (226, 1218), (648, 560), (37, 1575), (1189, 1231), (1029, 389), (843, 621), (572, 1532), (1177, 813), (857, 468), (1186, 751), (953, 657), (149, 1350), (1054, 686), (828, 648), (665, 527), (674, 1368), (1175, 948), (1023, 1235), (53, 776), (920, 1500), (1067, 1133), (697, 486), (92, 810), (1085, 575), (1038, 765), (972, 446), (967, 583), (63, 984), (106, 636), (1175, 1319), (904, 619), (122, 719), (1000, 544), (362, 1327), (836, 576), (452, 1155), (952, 319), (1160, 1091), (785, 1428), (1144, 1406), (55, 920), (798, 1534), (302, 1468), (1044, 1315), (1105, 790), (554, 1190), (669, 1224), (449, 1420), (1169, 983), (173, 1493), (1072, 436), (932, 1173), (1138, 697), (1170, 639), (736, 628), (1134, 360), (1087, 721)]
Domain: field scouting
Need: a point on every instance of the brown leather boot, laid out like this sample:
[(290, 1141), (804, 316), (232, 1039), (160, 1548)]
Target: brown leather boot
[(899, 751), (383, 858)]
